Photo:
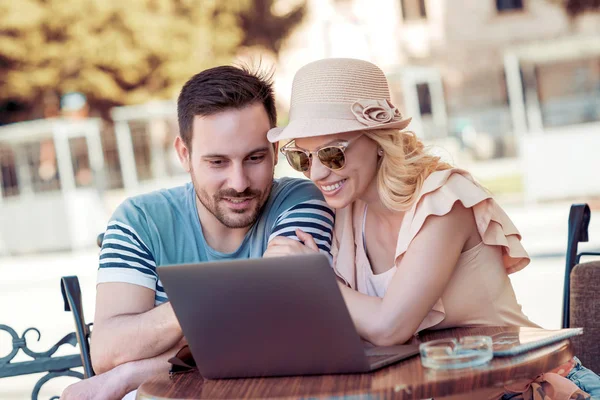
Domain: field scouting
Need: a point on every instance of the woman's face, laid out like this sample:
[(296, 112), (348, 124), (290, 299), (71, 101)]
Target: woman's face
[(357, 179)]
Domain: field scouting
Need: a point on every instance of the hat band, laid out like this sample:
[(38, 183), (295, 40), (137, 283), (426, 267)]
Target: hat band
[(322, 110), (368, 112)]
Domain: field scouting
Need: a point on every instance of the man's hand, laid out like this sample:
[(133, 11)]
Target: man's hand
[(283, 246), (119, 381)]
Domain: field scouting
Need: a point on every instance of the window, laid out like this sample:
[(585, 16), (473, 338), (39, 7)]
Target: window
[(80, 159), (43, 165), (8, 172), (413, 10), (424, 98), (140, 138), (509, 5), (112, 163)]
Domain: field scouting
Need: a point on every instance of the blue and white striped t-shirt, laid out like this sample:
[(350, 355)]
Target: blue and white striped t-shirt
[(163, 228)]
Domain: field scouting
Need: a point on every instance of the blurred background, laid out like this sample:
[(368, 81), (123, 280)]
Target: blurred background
[(508, 89)]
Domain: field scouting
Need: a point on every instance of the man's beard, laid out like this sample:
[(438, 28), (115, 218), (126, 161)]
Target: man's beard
[(216, 207)]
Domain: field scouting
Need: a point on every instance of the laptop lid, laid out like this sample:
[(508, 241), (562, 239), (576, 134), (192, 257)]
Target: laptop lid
[(264, 317)]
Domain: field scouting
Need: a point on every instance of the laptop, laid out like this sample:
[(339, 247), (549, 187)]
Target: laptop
[(270, 317)]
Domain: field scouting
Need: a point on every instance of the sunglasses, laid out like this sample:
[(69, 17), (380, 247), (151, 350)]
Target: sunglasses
[(332, 156)]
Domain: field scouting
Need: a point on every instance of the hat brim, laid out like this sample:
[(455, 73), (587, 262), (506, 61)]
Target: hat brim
[(303, 128)]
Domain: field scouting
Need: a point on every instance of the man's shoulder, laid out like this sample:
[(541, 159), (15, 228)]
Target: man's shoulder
[(171, 197), (293, 193), (154, 205), (296, 187)]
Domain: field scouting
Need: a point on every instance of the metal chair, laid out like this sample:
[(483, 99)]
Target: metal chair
[(47, 362), (71, 292), (99, 239), (581, 301), (54, 366), (40, 362)]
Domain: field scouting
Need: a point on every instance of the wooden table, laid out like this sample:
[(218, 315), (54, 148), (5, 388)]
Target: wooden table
[(404, 380)]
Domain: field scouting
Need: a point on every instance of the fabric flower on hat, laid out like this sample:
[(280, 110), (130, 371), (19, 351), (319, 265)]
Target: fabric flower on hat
[(375, 112)]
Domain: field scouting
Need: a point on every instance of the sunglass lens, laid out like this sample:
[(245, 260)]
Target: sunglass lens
[(298, 160), (332, 157)]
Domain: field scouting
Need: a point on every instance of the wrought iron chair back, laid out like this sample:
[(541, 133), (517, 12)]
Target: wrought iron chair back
[(71, 293), (41, 361), (55, 366)]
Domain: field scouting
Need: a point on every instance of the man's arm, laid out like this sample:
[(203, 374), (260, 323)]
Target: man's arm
[(116, 383), (313, 216), (127, 326)]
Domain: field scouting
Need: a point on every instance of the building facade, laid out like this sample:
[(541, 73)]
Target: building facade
[(449, 63)]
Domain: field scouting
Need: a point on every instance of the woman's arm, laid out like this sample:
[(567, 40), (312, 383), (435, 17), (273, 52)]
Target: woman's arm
[(422, 276)]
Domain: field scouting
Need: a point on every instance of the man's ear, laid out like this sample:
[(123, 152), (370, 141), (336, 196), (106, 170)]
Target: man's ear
[(182, 153), (276, 155)]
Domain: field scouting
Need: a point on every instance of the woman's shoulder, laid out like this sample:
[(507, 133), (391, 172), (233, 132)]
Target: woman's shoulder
[(438, 196), (452, 184), (439, 193)]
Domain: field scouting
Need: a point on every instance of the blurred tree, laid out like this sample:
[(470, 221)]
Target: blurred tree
[(262, 28), (575, 8), (126, 51)]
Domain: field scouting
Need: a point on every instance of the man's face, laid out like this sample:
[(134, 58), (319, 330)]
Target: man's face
[(231, 164)]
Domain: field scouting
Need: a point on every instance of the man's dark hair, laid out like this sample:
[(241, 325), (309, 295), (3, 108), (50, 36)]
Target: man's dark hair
[(223, 88)]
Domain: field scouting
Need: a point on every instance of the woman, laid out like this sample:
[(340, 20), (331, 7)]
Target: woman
[(418, 244)]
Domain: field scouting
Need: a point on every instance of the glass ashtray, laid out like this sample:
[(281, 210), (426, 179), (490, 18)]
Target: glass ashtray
[(466, 352)]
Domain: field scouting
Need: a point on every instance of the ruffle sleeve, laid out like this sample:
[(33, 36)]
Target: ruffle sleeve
[(440, 191)]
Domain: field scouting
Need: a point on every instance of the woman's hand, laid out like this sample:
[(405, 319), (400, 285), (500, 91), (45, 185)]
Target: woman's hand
[(283, 246)]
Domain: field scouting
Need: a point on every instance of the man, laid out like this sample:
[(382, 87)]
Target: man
[(231, 209)]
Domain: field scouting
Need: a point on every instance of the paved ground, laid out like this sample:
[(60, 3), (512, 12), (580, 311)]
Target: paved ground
[(30, 288)]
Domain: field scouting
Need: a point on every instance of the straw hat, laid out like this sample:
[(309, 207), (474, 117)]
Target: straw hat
[(337, 95)]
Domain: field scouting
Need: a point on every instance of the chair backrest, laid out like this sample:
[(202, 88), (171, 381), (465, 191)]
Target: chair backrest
[(579, 220), (99, 239), (585, 312), (71, 292), (582, 290)]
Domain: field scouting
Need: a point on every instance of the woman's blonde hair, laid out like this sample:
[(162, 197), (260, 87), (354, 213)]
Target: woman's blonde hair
[(404, 166)]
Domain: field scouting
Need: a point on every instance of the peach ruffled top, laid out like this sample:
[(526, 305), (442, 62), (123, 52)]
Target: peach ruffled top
[(479, 292)]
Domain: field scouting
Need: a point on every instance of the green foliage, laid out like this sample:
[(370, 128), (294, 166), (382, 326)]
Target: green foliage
[(124, 51)]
